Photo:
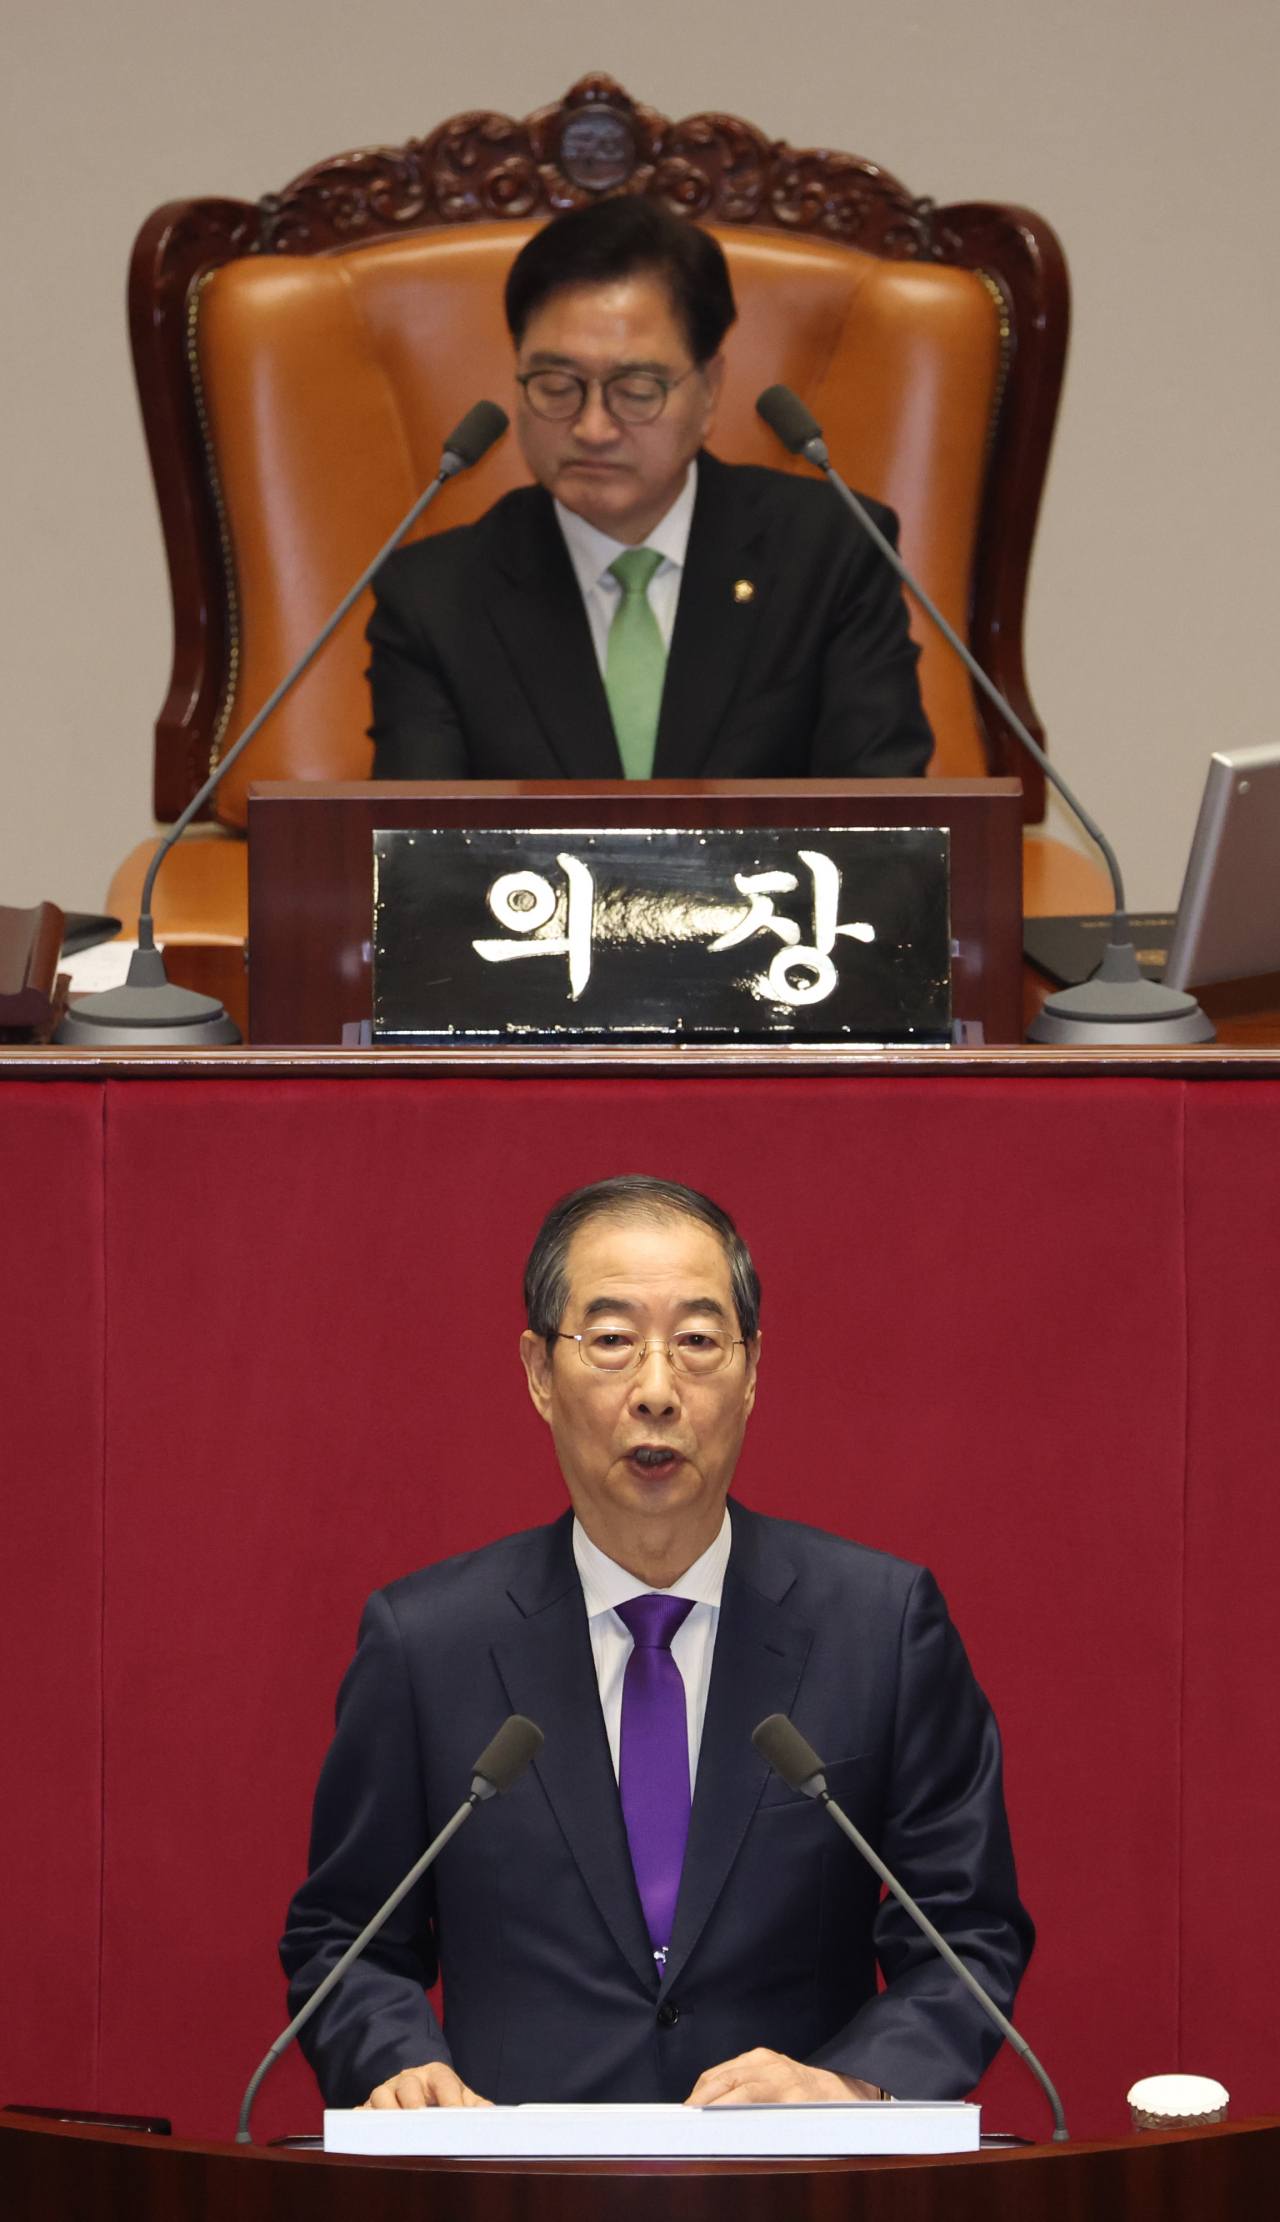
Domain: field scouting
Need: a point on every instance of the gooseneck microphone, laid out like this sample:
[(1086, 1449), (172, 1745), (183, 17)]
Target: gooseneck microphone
[(1119, 1005), (500, 1764), (780, 1743), (147, 1013)]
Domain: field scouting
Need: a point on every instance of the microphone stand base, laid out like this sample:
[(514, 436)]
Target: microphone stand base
[(1101, 1034), (146, 1017), (1119, 1008), (1095, 1017)]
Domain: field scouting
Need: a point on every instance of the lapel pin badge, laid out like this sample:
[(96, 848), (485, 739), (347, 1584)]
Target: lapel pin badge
[(743, 590)]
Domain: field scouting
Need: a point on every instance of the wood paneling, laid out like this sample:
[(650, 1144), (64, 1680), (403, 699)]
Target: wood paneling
[(49, 2174)]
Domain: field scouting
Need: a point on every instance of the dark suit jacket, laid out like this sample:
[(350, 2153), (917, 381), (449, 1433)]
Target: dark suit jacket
[(550, 1986), (483, 665)]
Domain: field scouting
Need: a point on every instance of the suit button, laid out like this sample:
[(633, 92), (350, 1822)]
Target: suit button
[(668, 2014)]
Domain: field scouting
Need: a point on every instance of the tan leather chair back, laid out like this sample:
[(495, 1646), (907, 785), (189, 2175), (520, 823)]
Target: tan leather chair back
[(330, 381)]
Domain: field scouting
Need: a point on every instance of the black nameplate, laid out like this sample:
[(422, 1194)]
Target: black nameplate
[(789, 934)]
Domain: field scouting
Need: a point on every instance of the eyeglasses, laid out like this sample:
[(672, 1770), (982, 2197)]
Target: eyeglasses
[(630, 396), (697, 1351)]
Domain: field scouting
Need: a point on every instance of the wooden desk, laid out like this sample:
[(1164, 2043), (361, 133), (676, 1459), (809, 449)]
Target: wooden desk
[(1057, 881), (52, 2173)]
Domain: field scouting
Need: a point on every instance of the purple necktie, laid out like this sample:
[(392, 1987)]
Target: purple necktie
[(653, 1763)]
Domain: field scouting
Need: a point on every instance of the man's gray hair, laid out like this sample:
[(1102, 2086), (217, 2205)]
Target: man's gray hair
[(546, 1276)]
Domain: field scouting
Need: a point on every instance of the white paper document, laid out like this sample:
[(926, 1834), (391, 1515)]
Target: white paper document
[(106, 965), (657, 2132)]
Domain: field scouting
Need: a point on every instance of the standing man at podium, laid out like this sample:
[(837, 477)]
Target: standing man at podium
[(643, 611), (651, 1915)]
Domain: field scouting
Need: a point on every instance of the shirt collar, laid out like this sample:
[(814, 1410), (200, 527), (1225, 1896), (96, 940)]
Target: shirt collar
[(592, 552), (606, 1584)]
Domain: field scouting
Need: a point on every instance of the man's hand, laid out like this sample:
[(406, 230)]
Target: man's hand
[(434, 2085), (762, 2078)]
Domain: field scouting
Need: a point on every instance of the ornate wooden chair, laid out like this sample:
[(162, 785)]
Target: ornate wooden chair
[(300, 361)]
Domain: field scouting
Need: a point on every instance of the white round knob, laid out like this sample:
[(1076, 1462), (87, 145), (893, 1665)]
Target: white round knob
[(1177, 2102)]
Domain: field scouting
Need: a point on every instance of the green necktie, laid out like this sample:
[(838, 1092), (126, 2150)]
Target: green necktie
[(636, 665)]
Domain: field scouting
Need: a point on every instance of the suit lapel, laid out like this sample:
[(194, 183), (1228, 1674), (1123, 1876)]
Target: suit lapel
[(713, 630), (759, 1657), (537, 610), (548, 1672)]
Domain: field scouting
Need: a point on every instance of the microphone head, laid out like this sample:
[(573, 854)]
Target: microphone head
[(504, 1760), (785, 413), (476, 434), (786, 1750)]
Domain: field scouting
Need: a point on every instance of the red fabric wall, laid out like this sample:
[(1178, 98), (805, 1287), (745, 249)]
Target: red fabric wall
[(51, 1474), (1058, 1301), (1231, 1680)]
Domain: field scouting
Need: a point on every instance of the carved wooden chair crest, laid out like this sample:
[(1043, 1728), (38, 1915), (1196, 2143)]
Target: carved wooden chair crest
[(290, 422)]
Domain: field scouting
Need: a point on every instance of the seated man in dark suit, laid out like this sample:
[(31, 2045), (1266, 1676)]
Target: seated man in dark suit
[(650, 1914), (644, 611)]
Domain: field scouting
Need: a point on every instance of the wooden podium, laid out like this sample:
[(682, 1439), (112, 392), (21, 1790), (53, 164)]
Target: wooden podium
[(311, 871), (55, 2173)]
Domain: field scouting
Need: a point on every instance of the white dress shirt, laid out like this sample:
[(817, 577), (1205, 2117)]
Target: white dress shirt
[(606, 1584), (592, 552)]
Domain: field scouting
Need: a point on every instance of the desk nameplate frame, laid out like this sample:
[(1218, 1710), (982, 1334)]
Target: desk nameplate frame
[(311, 871)]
